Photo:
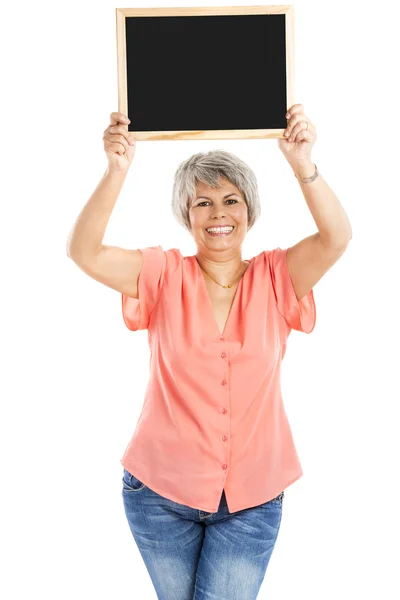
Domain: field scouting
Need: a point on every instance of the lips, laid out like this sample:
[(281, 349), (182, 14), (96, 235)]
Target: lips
[(219, 226), (221, 232)]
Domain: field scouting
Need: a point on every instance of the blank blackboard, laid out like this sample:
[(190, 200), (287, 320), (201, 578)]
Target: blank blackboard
[(205, 73)]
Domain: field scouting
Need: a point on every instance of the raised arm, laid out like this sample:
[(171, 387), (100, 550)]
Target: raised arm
[(115, 267)]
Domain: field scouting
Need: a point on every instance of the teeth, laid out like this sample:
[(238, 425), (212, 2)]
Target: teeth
[(219, 229)]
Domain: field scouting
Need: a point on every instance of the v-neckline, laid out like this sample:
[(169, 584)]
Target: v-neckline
[(234, 301)]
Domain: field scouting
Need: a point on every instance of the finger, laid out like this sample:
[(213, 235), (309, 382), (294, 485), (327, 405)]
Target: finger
[(120, 139), (303, 136), (300, 128), (294, 109), (117, 117), (297, 118), (115, 148), (120, 130)]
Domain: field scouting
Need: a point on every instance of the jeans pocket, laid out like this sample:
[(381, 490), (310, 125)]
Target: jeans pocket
[(130, 483)]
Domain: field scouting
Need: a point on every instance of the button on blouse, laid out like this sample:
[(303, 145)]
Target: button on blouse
[(213, 416)]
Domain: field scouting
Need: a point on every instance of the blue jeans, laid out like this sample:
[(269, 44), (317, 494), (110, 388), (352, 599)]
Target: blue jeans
[(194, 555)]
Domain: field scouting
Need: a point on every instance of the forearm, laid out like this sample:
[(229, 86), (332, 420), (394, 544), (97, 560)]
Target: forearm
[(328, 213), (87, 234)]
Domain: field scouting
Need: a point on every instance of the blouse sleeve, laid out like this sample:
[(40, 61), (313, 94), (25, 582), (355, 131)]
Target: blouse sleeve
[(298, 314), (136, 312)]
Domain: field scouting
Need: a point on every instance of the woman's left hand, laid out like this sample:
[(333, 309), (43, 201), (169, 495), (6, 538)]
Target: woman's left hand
[(297, 146)]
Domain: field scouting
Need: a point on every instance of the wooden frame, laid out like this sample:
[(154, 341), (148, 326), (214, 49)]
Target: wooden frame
[(123, 13)]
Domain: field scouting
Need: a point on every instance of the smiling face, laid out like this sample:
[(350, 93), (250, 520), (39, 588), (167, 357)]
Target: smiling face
[(218, 206)]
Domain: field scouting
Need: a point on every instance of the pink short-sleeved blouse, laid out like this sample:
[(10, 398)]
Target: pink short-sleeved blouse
[(213, 416)]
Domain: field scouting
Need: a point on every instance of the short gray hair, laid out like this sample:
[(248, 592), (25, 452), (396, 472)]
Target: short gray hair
[(207, 168)]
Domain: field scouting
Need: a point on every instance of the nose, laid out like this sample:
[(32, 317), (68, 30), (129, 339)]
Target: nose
[(218, 215), (218, 212)]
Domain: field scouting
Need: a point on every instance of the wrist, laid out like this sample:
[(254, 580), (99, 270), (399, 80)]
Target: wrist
[(303, 169), (116, 173)]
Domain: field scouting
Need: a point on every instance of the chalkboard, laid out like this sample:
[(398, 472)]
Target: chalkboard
[(205, 73)]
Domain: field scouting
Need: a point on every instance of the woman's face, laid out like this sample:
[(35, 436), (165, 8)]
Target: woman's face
[(220, 206)]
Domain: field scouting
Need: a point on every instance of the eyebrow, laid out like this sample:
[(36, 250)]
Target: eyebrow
[(227, 196)]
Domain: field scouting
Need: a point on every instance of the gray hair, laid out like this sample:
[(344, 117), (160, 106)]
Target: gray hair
[(207, 168)]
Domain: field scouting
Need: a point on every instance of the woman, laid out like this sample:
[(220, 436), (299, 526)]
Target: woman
[(206, 469)]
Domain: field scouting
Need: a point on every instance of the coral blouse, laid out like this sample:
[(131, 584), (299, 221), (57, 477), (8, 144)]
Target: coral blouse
[(213, 417)]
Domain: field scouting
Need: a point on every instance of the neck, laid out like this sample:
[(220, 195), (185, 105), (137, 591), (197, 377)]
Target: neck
[(225, 272)]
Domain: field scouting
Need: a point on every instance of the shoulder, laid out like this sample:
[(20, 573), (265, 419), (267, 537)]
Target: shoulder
[(174, 257), (273, 254), (268, 259), (169, 259)]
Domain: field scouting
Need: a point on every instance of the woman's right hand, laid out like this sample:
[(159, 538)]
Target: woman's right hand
[(119, 144)]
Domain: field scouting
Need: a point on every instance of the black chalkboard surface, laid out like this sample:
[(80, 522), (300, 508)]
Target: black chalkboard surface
[(205, 73)]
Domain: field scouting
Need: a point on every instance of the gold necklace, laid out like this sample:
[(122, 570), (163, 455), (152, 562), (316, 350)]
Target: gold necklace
[(224, 286)]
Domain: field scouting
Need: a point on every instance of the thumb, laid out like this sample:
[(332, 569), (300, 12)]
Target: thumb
[(130, 151)]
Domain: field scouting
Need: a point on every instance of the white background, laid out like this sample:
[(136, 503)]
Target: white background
[(74, 376)]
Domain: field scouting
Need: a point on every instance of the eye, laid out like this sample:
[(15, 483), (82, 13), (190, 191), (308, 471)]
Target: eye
[(229, 200)]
